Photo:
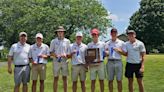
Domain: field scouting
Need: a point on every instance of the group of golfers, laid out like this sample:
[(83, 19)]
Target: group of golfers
[(21, 54)]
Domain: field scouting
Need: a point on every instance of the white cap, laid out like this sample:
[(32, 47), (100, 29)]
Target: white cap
[(39, 35), (79, 34), (22, 33)]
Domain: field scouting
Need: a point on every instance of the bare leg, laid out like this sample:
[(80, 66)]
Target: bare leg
[(65, 83), (41, 85), (74, 86), (16, 88), (34, 82), (140, 84), (83, 86), (25, 88), (130, 84), (93, 85), (110, 85), (55, 83), (119, 86), (101, 85)]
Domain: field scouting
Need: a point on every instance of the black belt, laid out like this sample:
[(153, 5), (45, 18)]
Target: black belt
[(114, 59), (96, 62), (21, 65), (80, 64)]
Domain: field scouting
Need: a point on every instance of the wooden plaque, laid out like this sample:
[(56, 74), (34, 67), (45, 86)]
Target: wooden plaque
[(91, 55)]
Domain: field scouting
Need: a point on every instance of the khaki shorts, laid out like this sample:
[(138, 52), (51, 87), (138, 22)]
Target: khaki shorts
[(97, 70), (21, 75), (78, 70), (60, 66), (39, 70)]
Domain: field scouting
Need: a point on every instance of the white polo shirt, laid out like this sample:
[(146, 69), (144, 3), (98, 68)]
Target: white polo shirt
[(101, 46), (60, 47), (79, 56), (35, 51), (133, 50), (20, 53), (110, 45)]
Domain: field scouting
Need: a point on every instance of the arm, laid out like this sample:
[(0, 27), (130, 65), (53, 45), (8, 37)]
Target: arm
[(142, 61), (10, 59)]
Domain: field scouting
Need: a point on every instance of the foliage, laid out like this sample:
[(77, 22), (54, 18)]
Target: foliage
[(44, 16), (148, 22)]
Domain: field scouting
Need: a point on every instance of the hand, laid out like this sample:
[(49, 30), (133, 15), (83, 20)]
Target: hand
[(74, 52), (64, 56), (118, 49), (142, 69), (10, 70), (33, 62), (42, 56)]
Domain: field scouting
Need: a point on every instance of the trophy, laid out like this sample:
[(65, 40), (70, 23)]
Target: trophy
[(92, 55)]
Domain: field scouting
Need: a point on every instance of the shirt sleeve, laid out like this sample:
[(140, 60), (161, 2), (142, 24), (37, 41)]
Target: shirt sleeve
[(69, 48), (124, 47), (30, 52), (106, 46), (11, 52), (142, 48), (48, 51), (52, 46)]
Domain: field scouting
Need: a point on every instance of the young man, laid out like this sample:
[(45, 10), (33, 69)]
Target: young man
[(97, 67), (39, 52), (19, 55), (135, 52), (78, 62), (114, 65), (59, 49)]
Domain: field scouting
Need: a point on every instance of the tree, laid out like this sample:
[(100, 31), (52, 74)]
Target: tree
[(148, 22), (44, 16)]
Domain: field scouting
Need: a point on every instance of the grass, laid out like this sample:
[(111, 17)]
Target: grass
[(153, 78)]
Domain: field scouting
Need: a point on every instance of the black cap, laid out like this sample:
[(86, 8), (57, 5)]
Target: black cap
[(113, 30)]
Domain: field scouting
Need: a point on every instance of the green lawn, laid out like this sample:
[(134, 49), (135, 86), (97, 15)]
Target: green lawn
[(153, 78)]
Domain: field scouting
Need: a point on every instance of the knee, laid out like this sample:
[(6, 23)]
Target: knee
[(41, 81), (64, 78), (110, 81), (55, 78)]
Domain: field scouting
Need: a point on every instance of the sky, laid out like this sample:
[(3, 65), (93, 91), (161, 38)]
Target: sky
[(120, 11)]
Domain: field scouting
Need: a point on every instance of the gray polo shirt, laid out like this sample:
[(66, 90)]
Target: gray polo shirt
[(20, 53), (134, 51)]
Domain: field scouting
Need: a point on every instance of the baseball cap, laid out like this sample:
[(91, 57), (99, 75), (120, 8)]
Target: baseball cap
[(130, 31), (22, 33), (113, 30), (39, 35), (60, 28), (95, 31), (79, 34)]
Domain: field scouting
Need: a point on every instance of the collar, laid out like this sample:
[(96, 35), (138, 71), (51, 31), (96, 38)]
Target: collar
[(21, 44), (96, 43), (37, 46), (78, 45), (116, 41)]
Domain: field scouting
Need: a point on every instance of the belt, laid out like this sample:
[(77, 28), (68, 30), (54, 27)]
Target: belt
[(79, 64), (21, 65), (96, 62), (114, 59)]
